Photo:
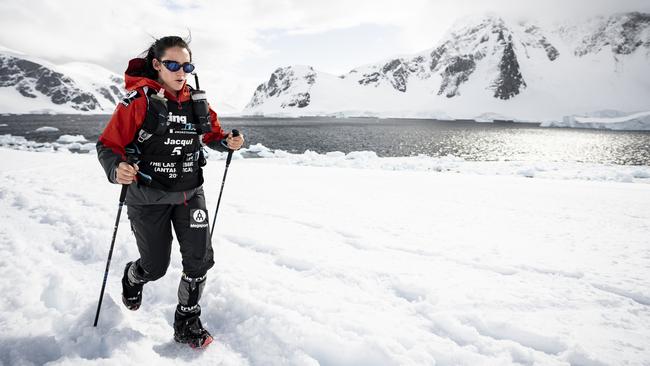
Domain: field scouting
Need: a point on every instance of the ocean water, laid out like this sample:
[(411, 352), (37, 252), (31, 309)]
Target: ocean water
[(392, 137)]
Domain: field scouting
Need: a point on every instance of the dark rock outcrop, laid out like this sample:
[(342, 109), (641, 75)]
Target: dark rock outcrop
[(624, 33), (280, 81), (510, 81), (28, 77), (300, 100), (31, 79), (457, 72)]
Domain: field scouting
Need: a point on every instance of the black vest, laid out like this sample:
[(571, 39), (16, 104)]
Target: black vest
[(170, 161)]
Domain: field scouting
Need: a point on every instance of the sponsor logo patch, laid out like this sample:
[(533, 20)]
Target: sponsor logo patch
[(182, 142), (198, 218), (189, 309), (178, 119)]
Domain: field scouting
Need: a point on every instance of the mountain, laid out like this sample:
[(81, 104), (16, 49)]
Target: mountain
[(32, 85), (484, 68)]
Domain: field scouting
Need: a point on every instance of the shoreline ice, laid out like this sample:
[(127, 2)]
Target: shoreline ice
[(370, 160), (605, 120)]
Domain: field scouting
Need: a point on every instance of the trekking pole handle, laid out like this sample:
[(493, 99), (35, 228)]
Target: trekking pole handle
[(235, 133), (129, 160), (123, 192)]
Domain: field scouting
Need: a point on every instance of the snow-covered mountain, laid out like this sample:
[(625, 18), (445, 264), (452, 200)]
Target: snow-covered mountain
[(484, 68), (32, 85)]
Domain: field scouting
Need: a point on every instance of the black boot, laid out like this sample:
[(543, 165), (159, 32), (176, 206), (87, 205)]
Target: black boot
[(131, 293), (188, 329)]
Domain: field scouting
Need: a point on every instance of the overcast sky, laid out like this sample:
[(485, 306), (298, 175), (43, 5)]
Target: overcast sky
[(237, 44)]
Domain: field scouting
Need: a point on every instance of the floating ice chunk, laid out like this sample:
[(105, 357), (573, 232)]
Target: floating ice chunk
[(260, 150), (46, 129), (67, 139)]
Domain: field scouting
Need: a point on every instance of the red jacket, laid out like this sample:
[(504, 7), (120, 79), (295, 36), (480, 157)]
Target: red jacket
[(130, 114)]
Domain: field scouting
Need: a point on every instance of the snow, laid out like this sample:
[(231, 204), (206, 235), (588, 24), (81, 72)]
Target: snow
[(71, 138), (609, 119), (64, 144), (339, 259), (14, 102), (453, 164)]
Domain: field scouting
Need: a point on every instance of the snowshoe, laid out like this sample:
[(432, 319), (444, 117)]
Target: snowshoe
[(189, 330), (131, 293)]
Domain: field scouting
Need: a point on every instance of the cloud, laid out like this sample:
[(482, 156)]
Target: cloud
[(226, 35)]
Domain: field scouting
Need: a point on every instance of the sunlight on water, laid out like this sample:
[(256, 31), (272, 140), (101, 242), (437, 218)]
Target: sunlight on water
[(394, 137)]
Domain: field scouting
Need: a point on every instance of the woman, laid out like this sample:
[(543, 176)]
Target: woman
[(161, 126)]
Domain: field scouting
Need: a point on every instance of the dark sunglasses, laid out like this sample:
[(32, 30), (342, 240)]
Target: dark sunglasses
[(174, 66)]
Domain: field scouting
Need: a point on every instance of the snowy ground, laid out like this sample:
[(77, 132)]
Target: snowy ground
[(337, 260)]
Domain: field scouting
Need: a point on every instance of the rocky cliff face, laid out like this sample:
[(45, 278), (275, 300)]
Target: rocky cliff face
[(279, 83), (622, 33), (456, 59), (488, 58), (34, 80)]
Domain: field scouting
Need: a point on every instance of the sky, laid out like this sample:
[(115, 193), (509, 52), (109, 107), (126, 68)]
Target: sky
[(236, 45)]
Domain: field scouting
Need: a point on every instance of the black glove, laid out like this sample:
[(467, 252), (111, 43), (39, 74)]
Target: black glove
[(202, 160)]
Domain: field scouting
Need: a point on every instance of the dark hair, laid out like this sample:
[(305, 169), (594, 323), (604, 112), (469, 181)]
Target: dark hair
[(157, 50)]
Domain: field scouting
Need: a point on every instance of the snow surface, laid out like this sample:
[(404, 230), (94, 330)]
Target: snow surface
[(335, 259), (16, 103)]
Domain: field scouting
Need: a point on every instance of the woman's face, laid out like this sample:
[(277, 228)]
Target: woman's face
[(172, 79)]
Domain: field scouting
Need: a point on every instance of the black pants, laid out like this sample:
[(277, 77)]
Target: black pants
[(152, 224)]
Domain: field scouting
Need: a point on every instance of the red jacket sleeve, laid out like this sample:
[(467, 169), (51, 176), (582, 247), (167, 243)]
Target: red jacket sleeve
[(119, 132), (217, 134)]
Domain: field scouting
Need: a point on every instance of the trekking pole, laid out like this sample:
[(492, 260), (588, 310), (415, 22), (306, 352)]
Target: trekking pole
[(235, 133), (110, 252)]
